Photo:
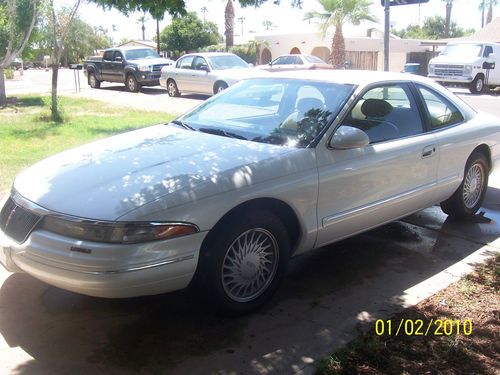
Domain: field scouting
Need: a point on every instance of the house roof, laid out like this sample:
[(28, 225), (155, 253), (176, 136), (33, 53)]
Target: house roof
[(144, 43)]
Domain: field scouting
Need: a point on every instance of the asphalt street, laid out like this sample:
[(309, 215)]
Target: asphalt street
[(327, 296)]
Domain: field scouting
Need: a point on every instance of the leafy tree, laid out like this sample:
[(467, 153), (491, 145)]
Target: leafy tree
[(433, 28), (336, 13), (188, 33), (17, 20)]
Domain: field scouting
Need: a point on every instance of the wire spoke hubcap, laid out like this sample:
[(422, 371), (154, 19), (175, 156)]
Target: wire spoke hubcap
[(250, 265), (473, 185)]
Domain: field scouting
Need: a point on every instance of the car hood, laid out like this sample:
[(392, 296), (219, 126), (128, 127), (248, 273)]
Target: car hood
[(156, 61), (445, 59), (105, 180)]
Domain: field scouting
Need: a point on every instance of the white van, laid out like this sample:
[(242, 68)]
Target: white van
[(467, 63)]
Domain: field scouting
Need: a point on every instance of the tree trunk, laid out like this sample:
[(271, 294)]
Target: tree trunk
[(489, 15), (448, 18), (337, 57), (229, 23), (53, 108), (3, 96)]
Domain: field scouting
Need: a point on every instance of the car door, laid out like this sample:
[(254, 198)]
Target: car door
[(391, 177), (116, 71), (182, 73), (201, 79), (107, 65)]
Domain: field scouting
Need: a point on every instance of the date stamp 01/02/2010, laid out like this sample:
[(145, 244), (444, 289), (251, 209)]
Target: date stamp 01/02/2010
[(419, 327)]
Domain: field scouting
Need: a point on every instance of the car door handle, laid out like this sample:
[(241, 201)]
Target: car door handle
[(428, 151)]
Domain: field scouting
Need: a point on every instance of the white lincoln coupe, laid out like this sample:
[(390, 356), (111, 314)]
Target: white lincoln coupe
[(224, 195)]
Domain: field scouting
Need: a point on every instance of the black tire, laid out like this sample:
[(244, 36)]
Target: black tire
[(172, 89), (132, 84), (477, 85), (219, 87), (469, 196), (237, 282), (93, 81)]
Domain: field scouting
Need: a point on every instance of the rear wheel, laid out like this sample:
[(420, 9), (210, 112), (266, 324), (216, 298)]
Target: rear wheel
[(245, 262), (132, 84), (93, 81), (468, 198)]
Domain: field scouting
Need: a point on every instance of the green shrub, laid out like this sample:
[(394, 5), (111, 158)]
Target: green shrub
[(9, 73)]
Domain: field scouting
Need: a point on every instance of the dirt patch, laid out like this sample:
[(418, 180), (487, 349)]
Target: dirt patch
[(470, 348)]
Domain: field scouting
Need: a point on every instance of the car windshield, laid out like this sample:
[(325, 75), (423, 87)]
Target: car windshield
[(136, 54), (314, 59), (223, 62), (288, 112), (462, 50)]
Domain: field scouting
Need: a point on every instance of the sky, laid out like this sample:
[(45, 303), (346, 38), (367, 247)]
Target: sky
[(285, 19)]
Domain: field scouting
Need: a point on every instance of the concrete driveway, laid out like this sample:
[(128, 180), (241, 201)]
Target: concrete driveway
[(325, 298)]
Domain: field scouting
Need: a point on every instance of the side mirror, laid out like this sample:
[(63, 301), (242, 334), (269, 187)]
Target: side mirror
[(118, 58), (346, 137), (205, 68)]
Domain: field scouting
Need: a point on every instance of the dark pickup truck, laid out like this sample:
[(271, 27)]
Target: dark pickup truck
[(133, 66)]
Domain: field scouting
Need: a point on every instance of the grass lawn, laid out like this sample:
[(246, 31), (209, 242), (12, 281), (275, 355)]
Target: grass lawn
[(449, 350), (26, 135)]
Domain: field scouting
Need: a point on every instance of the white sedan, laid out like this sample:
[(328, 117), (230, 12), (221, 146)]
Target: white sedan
[(205, 73), (227, 193)]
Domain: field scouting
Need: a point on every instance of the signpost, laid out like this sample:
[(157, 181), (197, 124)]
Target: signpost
[(387, 4)]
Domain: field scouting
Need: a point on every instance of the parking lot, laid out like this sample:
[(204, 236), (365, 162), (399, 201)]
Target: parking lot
[(326, 297)]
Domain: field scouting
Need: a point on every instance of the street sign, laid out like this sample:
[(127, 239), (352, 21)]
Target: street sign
[(403, 2)]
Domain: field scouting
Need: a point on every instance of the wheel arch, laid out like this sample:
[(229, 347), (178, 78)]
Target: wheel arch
[(281, 209), (485, 150)]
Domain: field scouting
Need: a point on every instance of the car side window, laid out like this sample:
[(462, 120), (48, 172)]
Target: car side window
[(279, 61), (108, 56), (119, 55), (441, 112), (297, 60), (199, 63), (186, 62), (386, 113)]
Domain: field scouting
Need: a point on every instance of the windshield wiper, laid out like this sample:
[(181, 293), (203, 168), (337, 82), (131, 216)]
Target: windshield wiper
[(222, 132), (183, 125)]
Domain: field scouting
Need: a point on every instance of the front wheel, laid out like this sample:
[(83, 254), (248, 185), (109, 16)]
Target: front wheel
[(132, 84), (477, 85), (219, 87), (172, 89), (469, 196), (245, 262)]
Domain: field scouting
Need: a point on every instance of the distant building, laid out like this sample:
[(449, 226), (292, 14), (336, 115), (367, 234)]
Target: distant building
[(139, 43)]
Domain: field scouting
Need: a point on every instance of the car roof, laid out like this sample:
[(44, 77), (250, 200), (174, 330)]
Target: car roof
[(209, 54)]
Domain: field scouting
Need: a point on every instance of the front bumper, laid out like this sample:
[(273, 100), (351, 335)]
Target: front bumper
[(108, 270), (451, 79), (148, 78)]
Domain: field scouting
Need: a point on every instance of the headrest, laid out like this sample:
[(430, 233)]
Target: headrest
[(375, 108), (306, 104)]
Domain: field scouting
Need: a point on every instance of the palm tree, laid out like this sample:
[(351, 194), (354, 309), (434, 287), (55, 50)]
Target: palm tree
[(336, 13), (449, 5), (142, 19), (229, 20), (204, 10)]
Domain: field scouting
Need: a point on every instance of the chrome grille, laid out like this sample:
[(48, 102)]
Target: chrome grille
[(16, 221), (447, 70), (157, 68)]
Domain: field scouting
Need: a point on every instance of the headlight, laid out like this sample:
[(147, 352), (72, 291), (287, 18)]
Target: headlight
[(144, 68), (431, 69), (467, 70), (111, 232)]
